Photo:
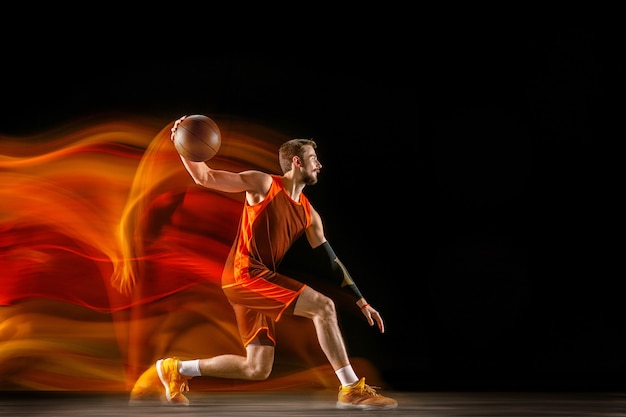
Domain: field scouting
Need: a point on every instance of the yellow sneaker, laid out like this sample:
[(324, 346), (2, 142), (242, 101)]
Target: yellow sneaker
[(364, 397), (161, 381), (173, 382)]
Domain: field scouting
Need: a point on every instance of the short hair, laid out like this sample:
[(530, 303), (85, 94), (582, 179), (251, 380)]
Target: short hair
[(291, 148)]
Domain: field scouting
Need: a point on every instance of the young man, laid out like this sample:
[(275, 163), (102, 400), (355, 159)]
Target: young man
[(275, 214)]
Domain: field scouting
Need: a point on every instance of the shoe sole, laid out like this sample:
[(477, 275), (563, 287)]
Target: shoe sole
[(345, 406), (165, 382)]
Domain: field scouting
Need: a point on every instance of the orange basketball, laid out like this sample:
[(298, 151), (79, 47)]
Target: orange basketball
[(197, 138)]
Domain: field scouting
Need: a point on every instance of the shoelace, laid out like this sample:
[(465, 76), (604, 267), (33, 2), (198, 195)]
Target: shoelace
[(184, 386), (370, 389)]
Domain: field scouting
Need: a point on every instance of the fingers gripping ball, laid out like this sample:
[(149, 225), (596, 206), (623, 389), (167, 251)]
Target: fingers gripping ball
[(197, 137)]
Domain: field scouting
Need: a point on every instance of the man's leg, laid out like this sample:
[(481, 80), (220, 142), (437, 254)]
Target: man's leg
[(354, 392), (321, 309), (167, 379), (256, 365)]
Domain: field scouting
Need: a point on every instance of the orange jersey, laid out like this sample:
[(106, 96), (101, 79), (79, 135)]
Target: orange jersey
[(266, 232)]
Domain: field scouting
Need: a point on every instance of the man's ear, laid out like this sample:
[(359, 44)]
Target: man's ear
[(297, 161)]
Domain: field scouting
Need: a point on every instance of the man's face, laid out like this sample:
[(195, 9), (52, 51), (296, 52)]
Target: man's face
[(311, 166)]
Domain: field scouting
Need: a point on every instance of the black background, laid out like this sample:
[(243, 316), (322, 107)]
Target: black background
[(470, 177)]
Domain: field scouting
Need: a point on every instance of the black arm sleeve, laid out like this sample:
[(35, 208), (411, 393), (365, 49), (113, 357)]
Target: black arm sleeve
[(325, 253)]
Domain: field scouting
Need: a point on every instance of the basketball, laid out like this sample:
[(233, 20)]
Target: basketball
[(197, 138)]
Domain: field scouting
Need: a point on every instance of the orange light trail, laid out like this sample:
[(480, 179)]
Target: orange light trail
[(111, 258)]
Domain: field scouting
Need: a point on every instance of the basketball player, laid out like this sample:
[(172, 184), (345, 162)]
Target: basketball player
[(275, 214)]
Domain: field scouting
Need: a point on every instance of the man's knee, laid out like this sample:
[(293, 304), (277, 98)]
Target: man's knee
[(260, 371), (329, 305), (259, 358), (315, 305), (326, 307)]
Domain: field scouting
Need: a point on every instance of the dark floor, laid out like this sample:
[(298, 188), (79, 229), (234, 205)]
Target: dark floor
[(322, 403)]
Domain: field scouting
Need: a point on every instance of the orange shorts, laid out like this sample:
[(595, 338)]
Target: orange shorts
[(260, 302)]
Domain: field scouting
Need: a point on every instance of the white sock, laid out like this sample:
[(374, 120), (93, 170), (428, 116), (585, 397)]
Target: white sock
[(189, 368), (347, 376)]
